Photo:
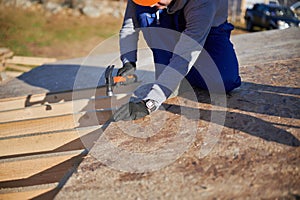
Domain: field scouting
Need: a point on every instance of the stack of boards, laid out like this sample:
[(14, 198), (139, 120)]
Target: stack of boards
[(41, 137)]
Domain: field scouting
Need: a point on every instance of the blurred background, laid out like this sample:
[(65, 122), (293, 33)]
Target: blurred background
[(64, 29)]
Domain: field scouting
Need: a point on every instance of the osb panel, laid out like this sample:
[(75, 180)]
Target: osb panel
[(256, 154)]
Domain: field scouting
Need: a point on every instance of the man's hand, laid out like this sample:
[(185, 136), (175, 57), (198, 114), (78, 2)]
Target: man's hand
[(127, 69), (131, 111)]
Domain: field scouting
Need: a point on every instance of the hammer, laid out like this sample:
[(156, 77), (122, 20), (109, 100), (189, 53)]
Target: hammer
[(117, 80)]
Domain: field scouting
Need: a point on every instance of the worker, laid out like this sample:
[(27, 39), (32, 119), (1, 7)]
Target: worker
[(177, 31)]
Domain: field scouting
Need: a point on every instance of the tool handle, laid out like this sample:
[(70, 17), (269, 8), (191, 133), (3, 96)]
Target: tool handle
[(123, 80), (109, 80)]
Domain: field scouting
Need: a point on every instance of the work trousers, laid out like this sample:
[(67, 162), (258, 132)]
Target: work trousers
[(217, 63)]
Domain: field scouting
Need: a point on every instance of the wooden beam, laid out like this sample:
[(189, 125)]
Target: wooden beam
[(35, 61), (20, 128), (51, 142), (4, 55), (33, 126), (26, 194), (50, 168), (49, 98), (5, 52), (18, 68), (58, 109)]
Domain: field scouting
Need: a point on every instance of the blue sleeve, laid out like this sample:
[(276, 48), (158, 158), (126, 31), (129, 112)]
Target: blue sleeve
[(128, 36), (199, 19)]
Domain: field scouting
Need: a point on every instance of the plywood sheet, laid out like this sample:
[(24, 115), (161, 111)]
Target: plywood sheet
[(255, 156)]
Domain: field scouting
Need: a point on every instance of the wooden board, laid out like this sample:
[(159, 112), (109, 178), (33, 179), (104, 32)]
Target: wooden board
[(30, 60), (58, 109), (43, 137), (25, 194), (20, 128), (50, 98), (18, 68), (27, 127), (36, 170), (59, 141)]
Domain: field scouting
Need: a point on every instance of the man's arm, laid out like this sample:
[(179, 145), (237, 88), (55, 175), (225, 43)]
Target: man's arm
[(199, 18), (128, 36)]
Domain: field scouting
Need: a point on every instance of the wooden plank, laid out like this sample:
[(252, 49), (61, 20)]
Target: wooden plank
[(4, 51), (4, 54), (52, 142), (33, 170), (25, 194), (7, 55), (13, 74), (84, 119), (13, 129), (49, 98), (18, 68), (35, 61), (58, 109)]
